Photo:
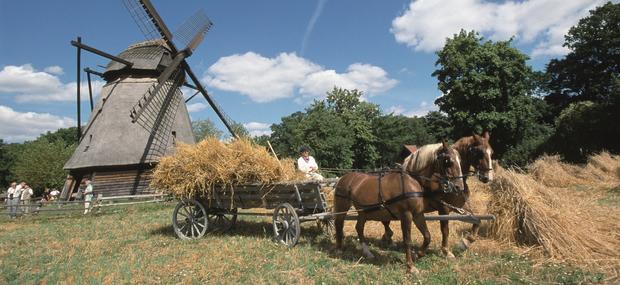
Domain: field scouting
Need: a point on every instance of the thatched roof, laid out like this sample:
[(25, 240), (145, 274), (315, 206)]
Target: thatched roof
[(111, 139)]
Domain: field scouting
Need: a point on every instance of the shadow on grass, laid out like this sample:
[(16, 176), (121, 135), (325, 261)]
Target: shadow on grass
[(313, 237)]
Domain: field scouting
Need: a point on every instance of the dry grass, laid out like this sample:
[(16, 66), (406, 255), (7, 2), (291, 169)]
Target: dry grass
[(602, 169), (200, 167), (567, 225)]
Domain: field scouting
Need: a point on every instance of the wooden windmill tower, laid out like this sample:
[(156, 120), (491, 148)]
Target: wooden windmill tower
[(140, 114)]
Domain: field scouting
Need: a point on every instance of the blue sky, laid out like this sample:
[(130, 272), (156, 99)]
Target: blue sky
[(265, 59)]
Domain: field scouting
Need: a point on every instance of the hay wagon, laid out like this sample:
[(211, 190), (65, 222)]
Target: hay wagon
[(291, 203)]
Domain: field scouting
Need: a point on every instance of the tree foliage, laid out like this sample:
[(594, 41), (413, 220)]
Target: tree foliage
[(204, 129), (488, 86), (345, 132), (395, 131), (40, 163), (592, 68), (5, 163), (589, 74)]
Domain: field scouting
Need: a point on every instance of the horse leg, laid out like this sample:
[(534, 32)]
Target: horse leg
[(339, 225), (471, 237), (445, 233), (420, 223), (359, 227), (387, 236), (340, 205), (405, 225)]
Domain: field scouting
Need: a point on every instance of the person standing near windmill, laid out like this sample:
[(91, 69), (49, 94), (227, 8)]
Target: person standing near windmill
[(307, 164), (11, 201), (88, 195)]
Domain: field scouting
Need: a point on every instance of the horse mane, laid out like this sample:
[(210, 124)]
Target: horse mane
[(421, 159)]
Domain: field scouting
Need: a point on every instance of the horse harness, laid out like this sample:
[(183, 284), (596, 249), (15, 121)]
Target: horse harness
[(447, 187)]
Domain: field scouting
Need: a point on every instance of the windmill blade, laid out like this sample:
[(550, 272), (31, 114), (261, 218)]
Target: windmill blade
[(220, 113), (147, 99), (158, 116), (149, 21), (151, 24), (192, 31)]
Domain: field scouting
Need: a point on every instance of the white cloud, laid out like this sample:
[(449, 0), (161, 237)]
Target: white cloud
[(396, 110), (28, 85), (265, 79), (421, 110), (425, 24), (256, 126), (258, 129), (17, 127), (260, 78), (55, 69), (368, 78), (196, 107)]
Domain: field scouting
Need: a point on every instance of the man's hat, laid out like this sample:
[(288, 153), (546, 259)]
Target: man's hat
[(304, 148)]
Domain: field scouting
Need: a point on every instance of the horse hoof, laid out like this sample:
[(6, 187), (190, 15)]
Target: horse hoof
[(421, 253), (464, 244), (447, 253), (413, 270)]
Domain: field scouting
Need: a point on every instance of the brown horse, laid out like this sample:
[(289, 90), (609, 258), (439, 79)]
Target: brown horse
[(395, 195), (474, 151)]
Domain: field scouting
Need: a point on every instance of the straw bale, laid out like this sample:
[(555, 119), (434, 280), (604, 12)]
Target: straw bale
[(199, 168), (566, 227)]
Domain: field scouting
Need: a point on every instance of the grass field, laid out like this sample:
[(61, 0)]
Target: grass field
[(137, 245)]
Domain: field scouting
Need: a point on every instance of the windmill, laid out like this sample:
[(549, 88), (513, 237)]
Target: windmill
[(140, 115)]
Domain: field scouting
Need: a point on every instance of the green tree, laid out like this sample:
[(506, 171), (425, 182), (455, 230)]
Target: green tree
[(5, 162), (438, 126), (592, 69), (205, 128), (359, 116), (67, 135), (395, 131), (240, 130), (590, 73), (488, 86), (320, 129), (40, 163)]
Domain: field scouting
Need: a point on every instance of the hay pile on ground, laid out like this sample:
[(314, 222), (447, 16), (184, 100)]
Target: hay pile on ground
[(213, 163), (602, 169), (567, 227)]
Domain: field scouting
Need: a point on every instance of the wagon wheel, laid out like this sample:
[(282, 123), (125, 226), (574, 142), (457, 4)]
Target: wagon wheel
[(222, 220), (286, 225), (189, 219), (328, 227)]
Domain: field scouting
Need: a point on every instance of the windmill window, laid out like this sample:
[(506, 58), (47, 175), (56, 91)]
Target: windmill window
[(174, 138)]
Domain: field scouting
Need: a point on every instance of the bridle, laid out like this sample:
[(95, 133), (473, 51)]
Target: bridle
[(444, 162), (476, 154)]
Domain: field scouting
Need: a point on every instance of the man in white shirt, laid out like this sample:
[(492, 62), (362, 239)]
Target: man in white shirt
[(17, 197), (88, 195), (25, 198), (307, 165), (11, 201)]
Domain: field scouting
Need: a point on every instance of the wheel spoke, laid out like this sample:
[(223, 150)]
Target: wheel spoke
[(201, 225), (186, 211), (197, 230)]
